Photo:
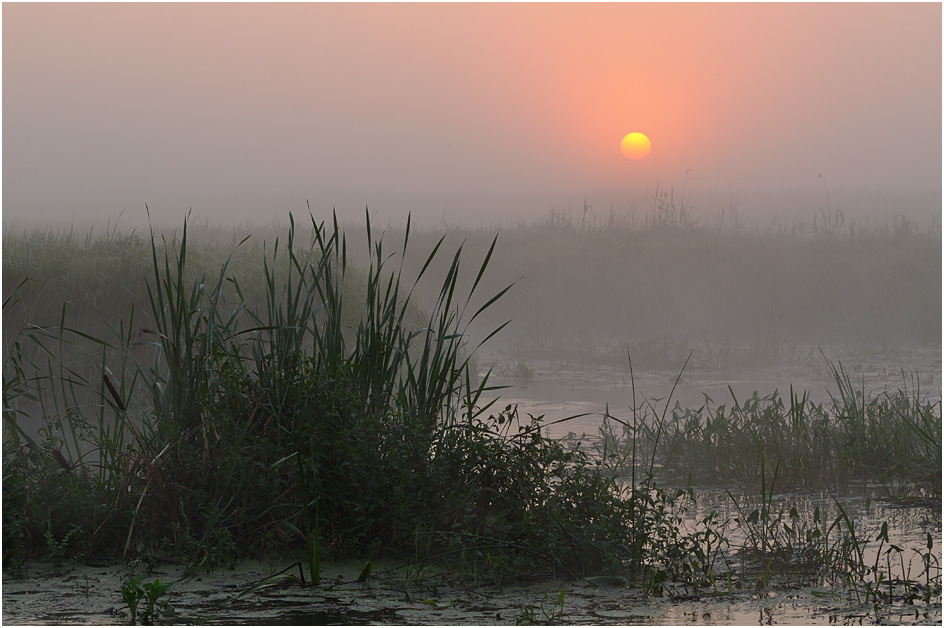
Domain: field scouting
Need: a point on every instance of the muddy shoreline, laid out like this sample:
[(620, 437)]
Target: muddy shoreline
[(89, 594)]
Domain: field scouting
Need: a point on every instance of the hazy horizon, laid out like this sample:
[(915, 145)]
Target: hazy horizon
[(468, 114)]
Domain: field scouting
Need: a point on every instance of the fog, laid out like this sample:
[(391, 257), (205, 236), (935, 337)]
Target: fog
[(467, 114)]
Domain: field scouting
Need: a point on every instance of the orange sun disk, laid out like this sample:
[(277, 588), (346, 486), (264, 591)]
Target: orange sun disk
[(636, 145)]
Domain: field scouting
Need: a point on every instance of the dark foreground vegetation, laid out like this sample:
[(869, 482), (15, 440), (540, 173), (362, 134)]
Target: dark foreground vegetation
[(214, 430), (288, 400)]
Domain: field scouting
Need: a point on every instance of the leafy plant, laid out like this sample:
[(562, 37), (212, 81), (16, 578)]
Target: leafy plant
[(135, 591), (550, 613), (59, 549)]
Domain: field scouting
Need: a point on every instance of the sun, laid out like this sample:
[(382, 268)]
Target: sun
[(636, 145)]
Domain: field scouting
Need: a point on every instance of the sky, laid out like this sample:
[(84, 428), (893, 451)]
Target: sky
[(465, 113)]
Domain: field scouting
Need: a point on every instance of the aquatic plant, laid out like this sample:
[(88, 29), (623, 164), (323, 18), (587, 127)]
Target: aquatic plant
[(135, 591), (893, 438), (217, 426), (551, 612), (636, 276), (284, 396)]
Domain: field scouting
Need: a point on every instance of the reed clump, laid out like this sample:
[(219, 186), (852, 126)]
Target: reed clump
[(212, 424), (892, 438)]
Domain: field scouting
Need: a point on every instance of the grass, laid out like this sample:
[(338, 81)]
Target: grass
[(591, 283), (208, 428), (292, 395), (890, 438), (812, 546), (665, 280)]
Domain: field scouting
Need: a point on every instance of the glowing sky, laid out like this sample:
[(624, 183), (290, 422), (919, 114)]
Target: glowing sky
[(245, 111)]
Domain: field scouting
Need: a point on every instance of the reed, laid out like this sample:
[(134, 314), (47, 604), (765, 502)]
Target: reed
[(176, 438), (892, 438), (637, 276)]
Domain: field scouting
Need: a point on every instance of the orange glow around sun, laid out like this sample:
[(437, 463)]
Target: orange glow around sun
[(636, 145)]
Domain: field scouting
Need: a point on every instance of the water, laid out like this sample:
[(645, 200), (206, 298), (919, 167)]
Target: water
[(560, 389)]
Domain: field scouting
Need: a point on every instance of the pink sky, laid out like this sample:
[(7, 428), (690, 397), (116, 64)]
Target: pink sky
[(244, 111)]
